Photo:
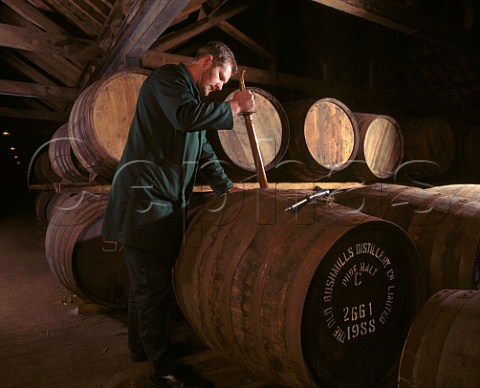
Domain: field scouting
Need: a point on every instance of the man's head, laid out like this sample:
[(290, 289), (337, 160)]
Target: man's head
[(215, 64), (221, 55)]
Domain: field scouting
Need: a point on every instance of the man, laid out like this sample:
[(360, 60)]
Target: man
[(165, 149)]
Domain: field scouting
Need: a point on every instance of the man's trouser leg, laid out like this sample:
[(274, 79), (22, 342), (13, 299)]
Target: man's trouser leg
[(148, 309)]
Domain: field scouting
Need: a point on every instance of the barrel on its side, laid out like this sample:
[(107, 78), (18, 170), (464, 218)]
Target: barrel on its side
[(232, 147), (78, 255), (324, 138), (43, 169), (469, 191), (56, 204), (380, 149), (40, 204), (441, 349), (444, 228), (100, 120), (429, 147), (64, 162), (314, 297)]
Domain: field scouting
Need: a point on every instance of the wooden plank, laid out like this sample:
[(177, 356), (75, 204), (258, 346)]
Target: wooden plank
[(34, 75), (58, 67), (33, 15), (26, 89), (84, 17), (25, 39)]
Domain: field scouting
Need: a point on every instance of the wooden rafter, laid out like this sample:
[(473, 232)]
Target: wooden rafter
[(397, 16), (140, 29), (176, 38), (26, 39), (27, 89)]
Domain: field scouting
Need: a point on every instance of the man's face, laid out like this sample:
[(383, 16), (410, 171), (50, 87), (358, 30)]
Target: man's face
[(213, 78)]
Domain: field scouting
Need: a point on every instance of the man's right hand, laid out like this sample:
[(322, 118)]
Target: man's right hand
[(242, 102)]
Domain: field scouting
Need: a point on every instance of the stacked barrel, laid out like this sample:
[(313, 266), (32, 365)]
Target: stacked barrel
[(83, 154), (321, 139)]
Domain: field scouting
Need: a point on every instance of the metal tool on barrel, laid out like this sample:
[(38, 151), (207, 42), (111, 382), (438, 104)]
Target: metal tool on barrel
[(318, 192)]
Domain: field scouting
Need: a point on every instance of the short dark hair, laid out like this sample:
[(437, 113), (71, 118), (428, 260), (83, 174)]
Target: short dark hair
[(221, 53)]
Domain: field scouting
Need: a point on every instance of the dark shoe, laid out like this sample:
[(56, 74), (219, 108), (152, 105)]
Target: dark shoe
[(181, 379), (138, 355)]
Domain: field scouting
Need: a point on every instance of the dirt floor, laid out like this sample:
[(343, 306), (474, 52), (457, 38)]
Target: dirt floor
[(50, 338)]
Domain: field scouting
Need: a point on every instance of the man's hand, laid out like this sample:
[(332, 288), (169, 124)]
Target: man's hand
[(242, 102), (236, 189)]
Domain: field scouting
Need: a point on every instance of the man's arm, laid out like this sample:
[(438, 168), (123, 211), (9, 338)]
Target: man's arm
[(213, 172)]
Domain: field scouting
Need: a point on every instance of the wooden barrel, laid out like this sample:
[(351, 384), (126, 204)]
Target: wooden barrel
[(100, 120), (56, 204), (441, 349), (62, 159), (380, 149), (78, 255), (43, 169), (465, 190), (271, 128), (444, 228), (429, 148), (324, 138), (40, 204), (314, 297)]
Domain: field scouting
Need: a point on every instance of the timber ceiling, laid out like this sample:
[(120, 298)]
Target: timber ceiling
[(403, 58)]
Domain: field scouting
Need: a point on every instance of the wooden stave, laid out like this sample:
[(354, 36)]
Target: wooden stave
[(63, 160), (43, 169), (441, 346), (40, 204), (255, 360), (469, 191)]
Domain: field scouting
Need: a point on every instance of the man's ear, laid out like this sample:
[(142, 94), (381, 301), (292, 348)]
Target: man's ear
[(207, 60)]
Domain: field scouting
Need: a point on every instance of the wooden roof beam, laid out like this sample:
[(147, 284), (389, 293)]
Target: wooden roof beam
[(145, 22), (245, 40), (32, 90), (397, 16), (26, 39), (176, 38)]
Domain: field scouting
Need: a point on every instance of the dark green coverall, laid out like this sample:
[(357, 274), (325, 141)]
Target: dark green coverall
[(165, 149)]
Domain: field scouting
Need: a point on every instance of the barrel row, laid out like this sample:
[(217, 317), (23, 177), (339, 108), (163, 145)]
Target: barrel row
[(326, 139), (306, 140)]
